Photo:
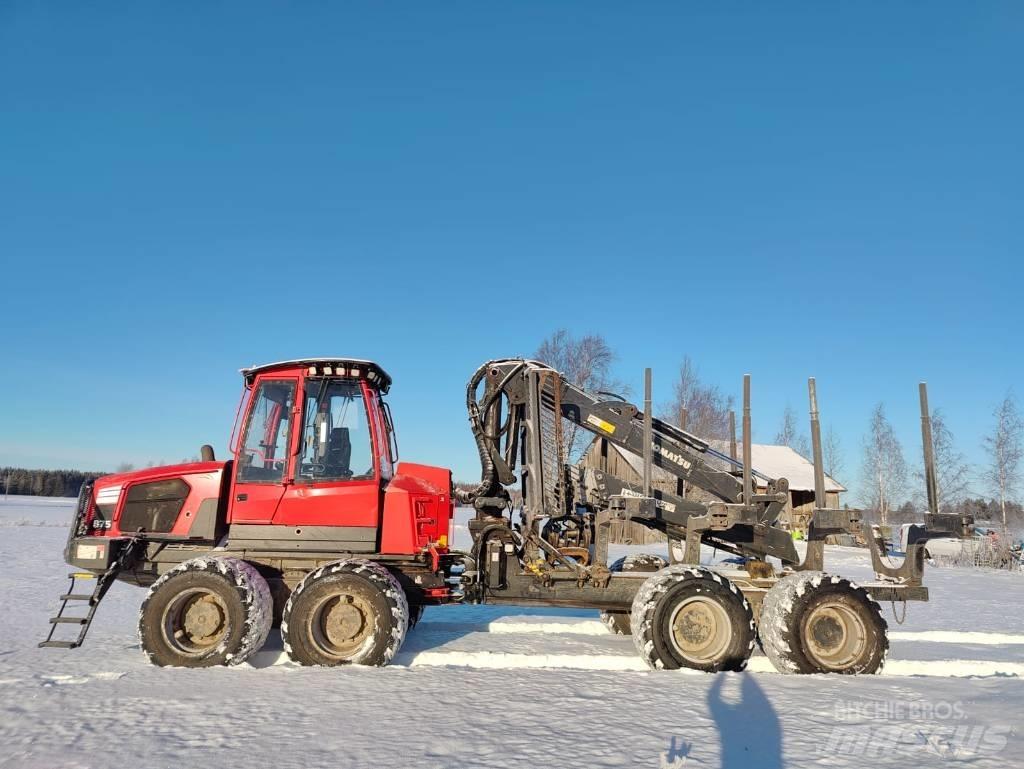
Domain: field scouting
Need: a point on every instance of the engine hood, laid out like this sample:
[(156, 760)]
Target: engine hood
[(157, 473)]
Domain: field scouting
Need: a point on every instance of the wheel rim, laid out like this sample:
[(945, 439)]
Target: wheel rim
[(194, 622), (834, 636), (341, 625), (700, 629)]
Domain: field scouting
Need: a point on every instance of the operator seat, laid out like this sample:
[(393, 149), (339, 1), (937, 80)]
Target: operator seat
[(339, 454)]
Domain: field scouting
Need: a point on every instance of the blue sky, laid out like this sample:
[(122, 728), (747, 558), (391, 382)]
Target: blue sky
[(786, 190)]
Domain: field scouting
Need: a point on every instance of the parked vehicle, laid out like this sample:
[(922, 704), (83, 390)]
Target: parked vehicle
[(314, 524)]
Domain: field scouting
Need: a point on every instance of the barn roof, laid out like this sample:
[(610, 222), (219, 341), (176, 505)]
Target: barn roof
[(782, 462)]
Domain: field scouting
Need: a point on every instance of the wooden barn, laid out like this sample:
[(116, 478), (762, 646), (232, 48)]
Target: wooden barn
[(772, 461)]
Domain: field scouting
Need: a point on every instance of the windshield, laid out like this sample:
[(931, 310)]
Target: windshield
[(336, 444)]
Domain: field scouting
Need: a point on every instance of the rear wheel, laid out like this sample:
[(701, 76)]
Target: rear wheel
[(688, 616), (818, 623), (618, 621), (346, 613), (206, 612)]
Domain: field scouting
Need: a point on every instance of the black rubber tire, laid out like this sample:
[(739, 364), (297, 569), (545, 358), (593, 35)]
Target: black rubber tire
[(666, 593), (244, 613), (618, 621), (415, 615), (797, 607), (383, 616)]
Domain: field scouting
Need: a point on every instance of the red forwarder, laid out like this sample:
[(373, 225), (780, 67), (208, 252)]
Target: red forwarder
[(313, 525), (313, 477)]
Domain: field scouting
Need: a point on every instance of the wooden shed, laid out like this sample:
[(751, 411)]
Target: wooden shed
[(623, 464)]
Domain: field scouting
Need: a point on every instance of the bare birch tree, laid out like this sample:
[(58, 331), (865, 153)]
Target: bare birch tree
[(789, 434), (585, 361), (832, 454), (1003, 446), (884, 468), (952, 473), (707, 407)]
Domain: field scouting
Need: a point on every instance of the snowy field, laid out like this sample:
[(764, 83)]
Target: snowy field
[(498, 686)]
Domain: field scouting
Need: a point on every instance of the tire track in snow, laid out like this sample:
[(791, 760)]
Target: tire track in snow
[(957, 637), (595, 627), (948, 668), (590, 627), (953, 668)]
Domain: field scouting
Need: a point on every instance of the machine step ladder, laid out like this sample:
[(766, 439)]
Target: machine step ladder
[(103, 582), (91, 600)]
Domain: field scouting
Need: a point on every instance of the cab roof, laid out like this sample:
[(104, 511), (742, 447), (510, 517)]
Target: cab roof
[(354, 367)]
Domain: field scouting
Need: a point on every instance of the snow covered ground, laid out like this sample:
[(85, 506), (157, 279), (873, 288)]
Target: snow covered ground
[(497, 686)]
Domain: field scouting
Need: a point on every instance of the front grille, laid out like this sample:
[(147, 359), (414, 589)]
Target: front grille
[(80, 520), (153, 506)]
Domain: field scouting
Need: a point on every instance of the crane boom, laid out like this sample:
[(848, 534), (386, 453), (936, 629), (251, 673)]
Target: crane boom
[(515, 420)]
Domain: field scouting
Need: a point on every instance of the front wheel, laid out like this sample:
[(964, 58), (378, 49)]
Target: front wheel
[(689, 616), (346, 613), (206, 612)]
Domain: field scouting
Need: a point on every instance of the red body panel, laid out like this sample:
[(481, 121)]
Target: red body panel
[(346, 503), (417, 509)]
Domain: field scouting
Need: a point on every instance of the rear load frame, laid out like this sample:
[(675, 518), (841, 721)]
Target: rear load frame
[(516, 407)]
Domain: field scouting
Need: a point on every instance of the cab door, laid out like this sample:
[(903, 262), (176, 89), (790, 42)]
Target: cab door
[(337, 476), (262, 471)]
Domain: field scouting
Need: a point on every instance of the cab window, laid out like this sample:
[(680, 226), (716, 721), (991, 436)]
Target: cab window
[(385, 435), (264, 454), (336, 442)]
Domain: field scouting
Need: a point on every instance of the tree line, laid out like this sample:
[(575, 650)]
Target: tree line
[(44, 483)]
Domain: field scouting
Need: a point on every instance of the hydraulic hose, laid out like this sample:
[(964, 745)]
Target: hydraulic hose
[(488, 474), (484, 442)]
